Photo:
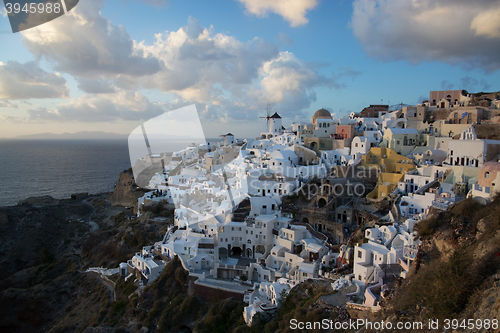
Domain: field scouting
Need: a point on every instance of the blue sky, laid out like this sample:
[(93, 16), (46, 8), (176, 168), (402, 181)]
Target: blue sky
[(111, 65)]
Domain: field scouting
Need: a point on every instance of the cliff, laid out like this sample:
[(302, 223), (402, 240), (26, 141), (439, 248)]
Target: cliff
[(126, 192), (457, 272)]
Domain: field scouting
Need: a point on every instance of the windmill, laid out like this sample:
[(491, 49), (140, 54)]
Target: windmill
[(268, 116)]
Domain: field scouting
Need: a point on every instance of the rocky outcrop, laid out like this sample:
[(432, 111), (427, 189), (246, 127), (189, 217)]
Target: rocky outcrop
[(46, 200), (126, 192)]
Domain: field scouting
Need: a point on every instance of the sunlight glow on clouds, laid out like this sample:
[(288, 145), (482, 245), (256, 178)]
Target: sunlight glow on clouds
[(453, 31), (487, 23), (122, 105), (23, 81), (226, 77), (293, 11)]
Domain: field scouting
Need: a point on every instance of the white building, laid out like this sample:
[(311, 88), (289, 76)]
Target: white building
[(361, 145), (146, 265), (473, 153)]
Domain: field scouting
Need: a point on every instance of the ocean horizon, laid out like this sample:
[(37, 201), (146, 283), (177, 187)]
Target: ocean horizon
[(60, 168)]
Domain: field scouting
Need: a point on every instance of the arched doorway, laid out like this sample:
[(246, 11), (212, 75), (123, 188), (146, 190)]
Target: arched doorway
[(222, 253), (237, 251), (321, 202)]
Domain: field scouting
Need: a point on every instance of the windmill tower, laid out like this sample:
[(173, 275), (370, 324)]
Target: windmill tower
[(274, 125), (268, 117)]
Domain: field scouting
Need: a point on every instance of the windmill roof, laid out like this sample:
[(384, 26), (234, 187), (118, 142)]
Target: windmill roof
[(275, 115)]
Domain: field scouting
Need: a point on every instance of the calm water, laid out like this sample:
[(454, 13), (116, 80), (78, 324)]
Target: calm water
[(59, 168)]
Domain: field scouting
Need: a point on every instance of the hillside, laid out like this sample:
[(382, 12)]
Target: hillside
[(457, 275)]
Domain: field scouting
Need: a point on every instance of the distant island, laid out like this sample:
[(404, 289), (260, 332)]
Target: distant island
[(99, 135), (84, 135)]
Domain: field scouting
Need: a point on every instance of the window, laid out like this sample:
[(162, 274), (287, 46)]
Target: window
[(356, 144), (486, 175), (360, 254), (232, 228)]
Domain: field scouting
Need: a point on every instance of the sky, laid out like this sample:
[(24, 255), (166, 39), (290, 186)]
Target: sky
[(113, 65)]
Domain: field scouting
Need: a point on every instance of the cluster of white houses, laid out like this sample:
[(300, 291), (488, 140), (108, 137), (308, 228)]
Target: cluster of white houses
[(228, 223)]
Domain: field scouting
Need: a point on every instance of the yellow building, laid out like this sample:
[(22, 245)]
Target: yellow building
[(402, 140), (392, 168)]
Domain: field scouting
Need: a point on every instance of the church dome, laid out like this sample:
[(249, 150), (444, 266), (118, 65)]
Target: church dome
[(322, 113)]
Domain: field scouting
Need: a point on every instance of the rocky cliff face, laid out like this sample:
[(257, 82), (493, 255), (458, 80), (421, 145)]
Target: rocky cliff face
[(457, 272), (126, 192)]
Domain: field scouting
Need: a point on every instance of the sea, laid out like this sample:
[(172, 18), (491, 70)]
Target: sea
[(60, 168)]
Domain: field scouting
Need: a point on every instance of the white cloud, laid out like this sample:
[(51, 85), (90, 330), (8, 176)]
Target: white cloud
[(487, 23), (3, 12), (225, 77), (453, 31), (120, 106), (287, 75), (83, 43), (28, 80), (293, 11), (197, 64)]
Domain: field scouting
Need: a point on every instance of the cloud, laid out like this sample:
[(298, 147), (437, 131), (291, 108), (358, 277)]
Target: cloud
[(225, 77), (6, 104), (83, 43), (472, 85), (156, 3), (97, 86), (284, 39), (3, 12), (458, 32), (347, 72), (288, 83), (120, 106), (446, 85), (487, 23), (28, 80), (293, 11), (198, 64)]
